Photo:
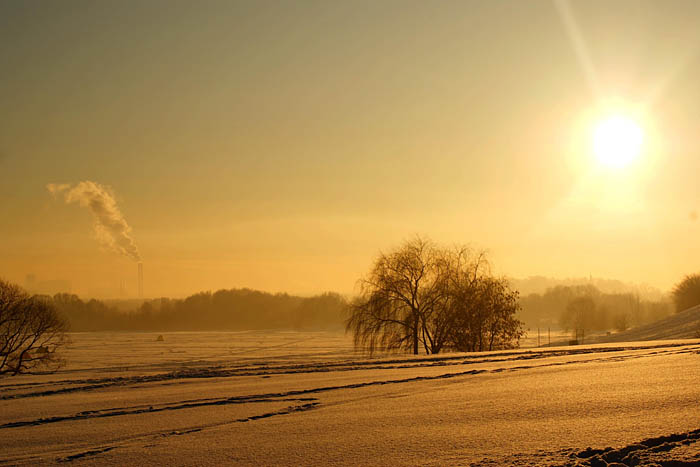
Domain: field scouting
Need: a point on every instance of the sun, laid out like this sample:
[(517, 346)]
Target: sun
[(617, 141)]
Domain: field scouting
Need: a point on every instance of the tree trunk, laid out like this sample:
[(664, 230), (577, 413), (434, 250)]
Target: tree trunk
[(415, 335)]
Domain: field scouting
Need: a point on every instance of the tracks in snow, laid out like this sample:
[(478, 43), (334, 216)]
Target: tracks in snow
[(69, 386), (305, 399), (299, 395), (675, 450)]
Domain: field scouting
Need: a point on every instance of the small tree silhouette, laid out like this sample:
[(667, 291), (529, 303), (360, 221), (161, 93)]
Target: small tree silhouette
[(31, 332)]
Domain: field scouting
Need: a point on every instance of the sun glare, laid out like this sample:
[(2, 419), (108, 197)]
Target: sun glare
[(617, 141)]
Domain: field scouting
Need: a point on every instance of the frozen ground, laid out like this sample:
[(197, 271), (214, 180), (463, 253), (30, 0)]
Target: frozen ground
[(287, 398)]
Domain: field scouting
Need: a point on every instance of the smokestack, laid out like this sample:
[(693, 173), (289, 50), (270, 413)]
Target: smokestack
[(140, 280)]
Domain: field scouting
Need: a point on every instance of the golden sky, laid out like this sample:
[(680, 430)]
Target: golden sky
[(282, 145)]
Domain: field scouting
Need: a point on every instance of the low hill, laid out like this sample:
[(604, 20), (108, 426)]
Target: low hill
[(682, 325)]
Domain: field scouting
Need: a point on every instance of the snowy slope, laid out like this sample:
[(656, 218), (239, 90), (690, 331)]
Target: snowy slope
[(683, 325)]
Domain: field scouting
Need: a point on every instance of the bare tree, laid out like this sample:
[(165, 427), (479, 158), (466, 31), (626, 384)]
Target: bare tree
[(467, 305), (503, 329), (401, 290), (579, 316), (31, 332), (421, 294), (484, 313)]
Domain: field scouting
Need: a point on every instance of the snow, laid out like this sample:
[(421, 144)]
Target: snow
[(682, 325), (288, 398)]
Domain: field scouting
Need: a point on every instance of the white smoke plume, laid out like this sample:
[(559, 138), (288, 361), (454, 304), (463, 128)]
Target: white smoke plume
[(111, 229)]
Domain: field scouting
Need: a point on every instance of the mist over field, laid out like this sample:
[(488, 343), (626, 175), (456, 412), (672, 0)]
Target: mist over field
[(350, 233)]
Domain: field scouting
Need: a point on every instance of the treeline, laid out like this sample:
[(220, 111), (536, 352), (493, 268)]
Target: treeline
[(540, 284), (245, 309), (585, 306), (232, 310)]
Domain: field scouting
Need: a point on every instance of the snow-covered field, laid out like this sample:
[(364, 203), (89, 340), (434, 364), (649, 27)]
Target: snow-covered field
[(288, 398)]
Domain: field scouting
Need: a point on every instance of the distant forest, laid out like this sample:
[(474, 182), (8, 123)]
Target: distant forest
[(224, 310), (245, 309), (557, 308)]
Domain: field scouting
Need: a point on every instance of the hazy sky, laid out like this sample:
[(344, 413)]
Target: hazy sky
[(281, 145)]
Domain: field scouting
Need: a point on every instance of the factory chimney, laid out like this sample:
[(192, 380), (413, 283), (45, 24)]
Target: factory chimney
[(140, 280)]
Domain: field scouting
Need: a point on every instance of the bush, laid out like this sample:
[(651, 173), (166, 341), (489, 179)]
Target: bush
[(686, 293)]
